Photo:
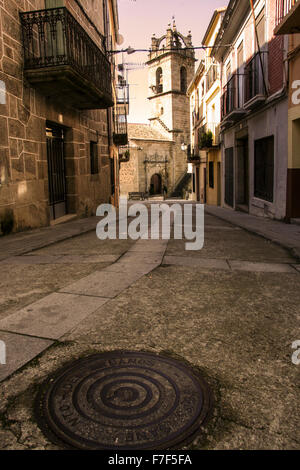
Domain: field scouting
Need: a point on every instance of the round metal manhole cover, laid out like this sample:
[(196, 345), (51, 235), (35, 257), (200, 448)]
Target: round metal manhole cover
[(123, 400)]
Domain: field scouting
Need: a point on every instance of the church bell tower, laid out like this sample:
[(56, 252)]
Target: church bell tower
[(171, 67)]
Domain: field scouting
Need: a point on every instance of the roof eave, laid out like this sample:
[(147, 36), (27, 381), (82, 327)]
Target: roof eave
[(232, 21)]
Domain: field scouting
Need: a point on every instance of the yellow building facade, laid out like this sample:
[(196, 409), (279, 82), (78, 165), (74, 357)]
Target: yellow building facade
[(205, 98)]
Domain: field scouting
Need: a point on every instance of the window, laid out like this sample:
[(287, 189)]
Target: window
[(211, 175), (264, 168), (183, 80), (159, 80), (228, 71), (260, 27), (212, 76), (94, 158), (240, 56)]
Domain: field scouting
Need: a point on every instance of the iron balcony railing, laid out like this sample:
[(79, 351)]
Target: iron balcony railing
[(283, 7), (192, 155), (232, 98), (53, 38), (120, 134), (255, 76)]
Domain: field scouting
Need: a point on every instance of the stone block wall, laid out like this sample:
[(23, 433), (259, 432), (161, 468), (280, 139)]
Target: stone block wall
[(24, 114)]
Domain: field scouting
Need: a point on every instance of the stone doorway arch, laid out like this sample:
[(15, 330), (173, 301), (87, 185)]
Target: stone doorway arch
[(156, 184)]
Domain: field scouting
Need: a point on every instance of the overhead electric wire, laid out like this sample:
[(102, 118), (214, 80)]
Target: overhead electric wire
[(174, 49)]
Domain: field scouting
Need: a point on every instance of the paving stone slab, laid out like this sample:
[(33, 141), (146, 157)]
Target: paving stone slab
[(73, 259), (20, 350), (297, 266), (261, 267), (103, 283), (197, 262), (136, 258), (286, 235), (52, 316), (126, 268)]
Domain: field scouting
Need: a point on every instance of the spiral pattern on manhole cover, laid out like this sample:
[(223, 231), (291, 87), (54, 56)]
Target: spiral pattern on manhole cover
[(123, 400)]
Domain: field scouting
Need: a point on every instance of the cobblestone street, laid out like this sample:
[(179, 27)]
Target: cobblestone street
[(230, 310)]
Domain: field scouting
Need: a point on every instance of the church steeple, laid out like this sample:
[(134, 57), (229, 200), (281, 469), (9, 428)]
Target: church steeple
[(171, 68), (172, 42)]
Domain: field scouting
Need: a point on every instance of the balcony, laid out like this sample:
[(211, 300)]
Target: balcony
[(255, 81), (120, 134), (122, 92), (232, 100), (287, 17), (192, 155), (63, 62), (209, 136)]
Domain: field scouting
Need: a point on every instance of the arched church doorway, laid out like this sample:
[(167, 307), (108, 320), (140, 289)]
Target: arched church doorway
[(156, 184)]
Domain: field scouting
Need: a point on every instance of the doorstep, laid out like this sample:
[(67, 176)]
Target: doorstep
[(64, 219)]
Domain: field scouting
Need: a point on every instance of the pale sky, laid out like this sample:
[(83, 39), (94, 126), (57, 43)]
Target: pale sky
[(139, 19)]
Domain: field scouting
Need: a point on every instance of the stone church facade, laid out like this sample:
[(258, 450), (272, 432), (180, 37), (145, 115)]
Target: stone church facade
[(157, 161), (151, 157)]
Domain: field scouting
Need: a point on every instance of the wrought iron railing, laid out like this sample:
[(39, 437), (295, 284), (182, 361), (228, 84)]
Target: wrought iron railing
[(120, 134), (255, 76), (232, 98), (54, 38), (283, 7), (192, 155)]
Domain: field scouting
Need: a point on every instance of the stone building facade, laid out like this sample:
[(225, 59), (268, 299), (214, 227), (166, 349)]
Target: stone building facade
[(56, 97), (151, 161), (171, 67)]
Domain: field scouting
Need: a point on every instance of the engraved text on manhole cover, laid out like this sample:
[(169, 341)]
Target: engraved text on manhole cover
[(123, 400)]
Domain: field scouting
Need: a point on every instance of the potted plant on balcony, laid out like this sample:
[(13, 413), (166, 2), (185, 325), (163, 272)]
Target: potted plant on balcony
[(206, 140)]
